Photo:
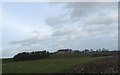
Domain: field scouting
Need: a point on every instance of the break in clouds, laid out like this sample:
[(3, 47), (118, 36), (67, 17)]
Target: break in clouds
[(77, 25)]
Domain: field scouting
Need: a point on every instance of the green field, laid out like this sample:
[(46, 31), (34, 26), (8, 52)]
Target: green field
[(53, 64)]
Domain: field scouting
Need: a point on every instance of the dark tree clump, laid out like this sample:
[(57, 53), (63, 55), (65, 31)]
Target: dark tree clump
[(31, 55)]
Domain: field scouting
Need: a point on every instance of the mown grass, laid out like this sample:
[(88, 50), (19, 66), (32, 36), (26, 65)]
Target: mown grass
[(53, 64)]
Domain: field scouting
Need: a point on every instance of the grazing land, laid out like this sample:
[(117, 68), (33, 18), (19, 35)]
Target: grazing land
[(53, 64), (105, 65)]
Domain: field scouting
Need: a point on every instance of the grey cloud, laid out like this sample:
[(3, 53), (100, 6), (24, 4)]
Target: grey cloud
[(90, 12), (93, 24), (66, 30), (33, 39), (86, 8), (57, 20), (26, 42), (106, 19)]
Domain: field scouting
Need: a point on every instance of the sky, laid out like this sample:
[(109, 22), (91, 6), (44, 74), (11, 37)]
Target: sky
[(34, 26)]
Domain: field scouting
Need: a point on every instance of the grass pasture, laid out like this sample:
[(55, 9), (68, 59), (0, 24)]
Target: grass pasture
[(53, 64)]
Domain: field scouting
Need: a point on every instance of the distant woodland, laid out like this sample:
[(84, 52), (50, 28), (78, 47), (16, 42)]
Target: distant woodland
[(45, 54)]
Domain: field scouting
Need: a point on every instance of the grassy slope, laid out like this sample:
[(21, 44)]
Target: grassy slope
[(105, 65), (6, 60), (56, 63)]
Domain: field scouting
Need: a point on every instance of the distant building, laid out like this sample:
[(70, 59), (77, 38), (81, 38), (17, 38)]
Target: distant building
[(64, 51)]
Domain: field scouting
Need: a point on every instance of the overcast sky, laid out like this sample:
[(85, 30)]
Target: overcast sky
[(33, 26)]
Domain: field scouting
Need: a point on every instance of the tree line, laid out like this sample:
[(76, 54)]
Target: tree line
[(31, 55), (44, 54)]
